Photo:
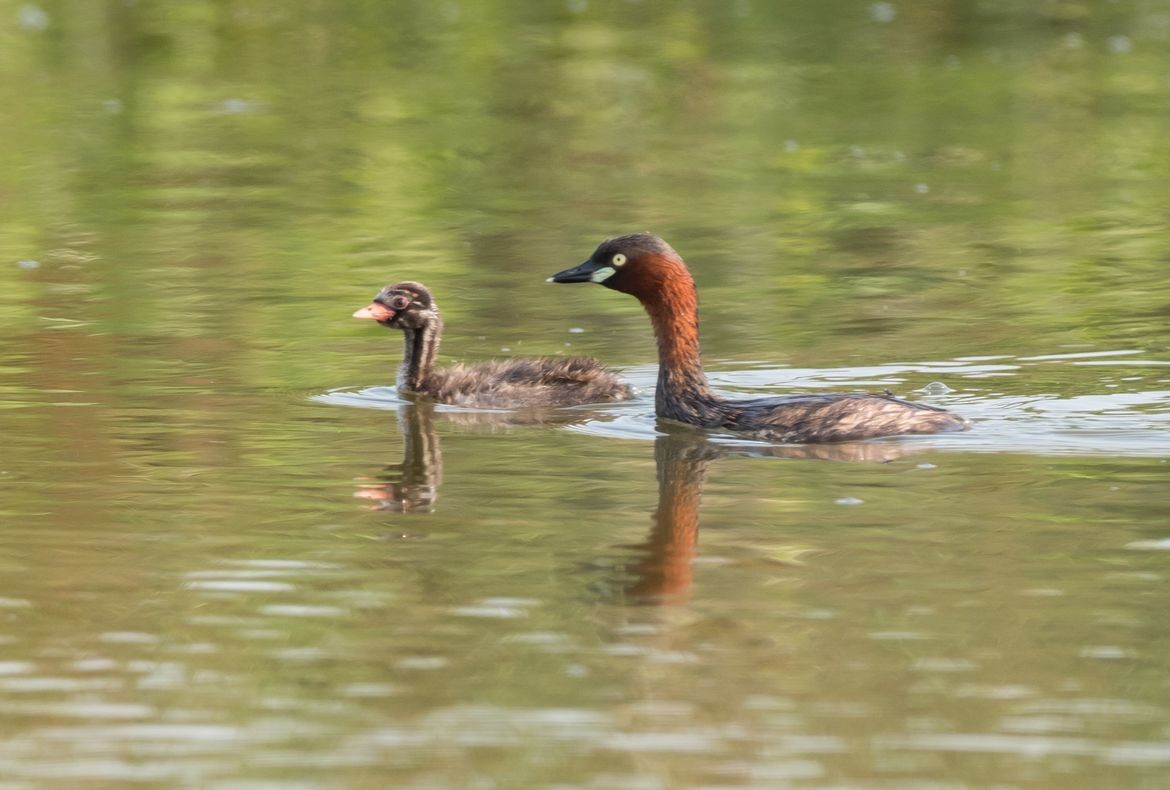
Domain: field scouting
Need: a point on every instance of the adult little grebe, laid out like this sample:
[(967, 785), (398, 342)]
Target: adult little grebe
[(507, 384), (648, 268)]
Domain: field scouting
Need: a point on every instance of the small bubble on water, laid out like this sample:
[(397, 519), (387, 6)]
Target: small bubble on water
[(849, 500), (857, 152), (922, 189), (1106, 652), (577, 6), (235, 106), (422, 662), (576, 330), (1120, 45), (1073, 41), (1162, 544), (953, 62), (505, 349), (32, 17), (112, 106), (29, 264), (743, 8), (883, 12), (791, 146), (928, 466), (936, 388), (962, 272)]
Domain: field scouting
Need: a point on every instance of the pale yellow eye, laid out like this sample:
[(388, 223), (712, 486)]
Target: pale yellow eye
[(619, 259)]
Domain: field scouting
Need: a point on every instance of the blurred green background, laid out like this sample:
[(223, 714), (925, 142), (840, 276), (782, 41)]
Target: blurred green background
[(959, 177)]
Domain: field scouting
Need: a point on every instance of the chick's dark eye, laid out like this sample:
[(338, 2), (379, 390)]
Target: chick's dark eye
[(399, 302)]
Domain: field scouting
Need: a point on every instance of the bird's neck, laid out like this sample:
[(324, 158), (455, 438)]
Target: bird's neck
[(682, 392), (420, 347)]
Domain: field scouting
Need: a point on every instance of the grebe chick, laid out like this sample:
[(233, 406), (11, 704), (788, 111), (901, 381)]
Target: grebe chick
[(646, 267), (508, 384)]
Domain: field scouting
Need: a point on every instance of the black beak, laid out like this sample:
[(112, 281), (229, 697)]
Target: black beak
[(582, 273)]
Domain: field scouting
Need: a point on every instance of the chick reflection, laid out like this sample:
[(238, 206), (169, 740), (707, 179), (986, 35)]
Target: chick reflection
[(682, 456), (411, 486)]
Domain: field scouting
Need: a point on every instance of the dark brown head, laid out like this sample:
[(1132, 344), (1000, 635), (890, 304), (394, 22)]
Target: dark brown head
[(406, 305), (638, 264)]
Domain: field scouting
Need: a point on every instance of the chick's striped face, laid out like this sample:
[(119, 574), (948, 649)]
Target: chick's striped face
[(399, 306), (395, 301), (411, 307)]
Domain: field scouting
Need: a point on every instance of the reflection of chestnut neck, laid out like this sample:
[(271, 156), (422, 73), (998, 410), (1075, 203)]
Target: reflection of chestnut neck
[(666, 570)]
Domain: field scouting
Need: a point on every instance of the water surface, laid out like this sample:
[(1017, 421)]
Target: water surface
[(233, 556)]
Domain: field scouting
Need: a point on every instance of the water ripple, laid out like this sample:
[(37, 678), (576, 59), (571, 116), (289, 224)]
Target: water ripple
[(1127, 423)]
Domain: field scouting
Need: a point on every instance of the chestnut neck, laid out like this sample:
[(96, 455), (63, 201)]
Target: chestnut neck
[(420, 347), (668, 293)]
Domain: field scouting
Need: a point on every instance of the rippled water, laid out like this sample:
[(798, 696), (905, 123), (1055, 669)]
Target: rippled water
[(234, 556), (1123, 418)]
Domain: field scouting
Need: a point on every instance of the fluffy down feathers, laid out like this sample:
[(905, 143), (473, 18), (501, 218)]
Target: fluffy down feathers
[(526, 382)]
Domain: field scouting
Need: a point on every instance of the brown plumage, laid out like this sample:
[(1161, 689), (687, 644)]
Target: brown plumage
[(506, 384), (646, 267)]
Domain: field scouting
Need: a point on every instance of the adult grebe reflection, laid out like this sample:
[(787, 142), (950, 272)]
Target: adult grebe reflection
[(682, 456), (411, 486)]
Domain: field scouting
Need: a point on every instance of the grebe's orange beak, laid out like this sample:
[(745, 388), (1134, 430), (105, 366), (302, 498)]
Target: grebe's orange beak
[(375, 311), (588, 272)]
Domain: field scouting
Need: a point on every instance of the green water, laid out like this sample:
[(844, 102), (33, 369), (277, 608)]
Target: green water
[(232, 557)]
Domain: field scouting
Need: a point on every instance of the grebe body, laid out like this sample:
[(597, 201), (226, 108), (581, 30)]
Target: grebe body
[(649, 269)]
